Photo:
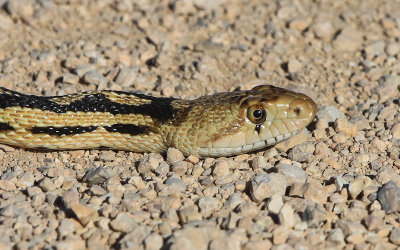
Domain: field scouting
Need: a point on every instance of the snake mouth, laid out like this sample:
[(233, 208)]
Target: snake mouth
[(267, 143), (229, 151)]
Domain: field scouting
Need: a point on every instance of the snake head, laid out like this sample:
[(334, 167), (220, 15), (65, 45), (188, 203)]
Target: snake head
[(245, 121), (274, 114)]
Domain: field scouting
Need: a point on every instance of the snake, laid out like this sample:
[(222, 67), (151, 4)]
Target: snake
[(223, 124)]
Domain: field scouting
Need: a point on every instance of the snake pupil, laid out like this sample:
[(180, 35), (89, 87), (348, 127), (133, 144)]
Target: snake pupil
[(257, 114)]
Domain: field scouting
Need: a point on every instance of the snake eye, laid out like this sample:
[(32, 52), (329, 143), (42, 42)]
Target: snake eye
[(256, 114)]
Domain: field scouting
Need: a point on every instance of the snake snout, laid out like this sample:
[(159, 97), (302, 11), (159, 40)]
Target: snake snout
[(303, 108)]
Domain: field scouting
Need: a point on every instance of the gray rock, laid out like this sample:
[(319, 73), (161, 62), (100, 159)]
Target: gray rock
[(336, 236), (82, 69), (33, 191), (107, 155), (207, 205), (97, 176), (292, 173), (96, 190), (66, 227), (260, 162), (350, 227), (314, 216), (374, 110), (389, 197), (126, 76), (134, 239), (180, 167), (388, 87), (11, 173), (233, 201), (10, 211), (95, 78), (395, 236), (329, 113), (149, 162), (175, 184)]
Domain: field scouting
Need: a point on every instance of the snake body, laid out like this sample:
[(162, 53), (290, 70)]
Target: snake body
[(223, 124)]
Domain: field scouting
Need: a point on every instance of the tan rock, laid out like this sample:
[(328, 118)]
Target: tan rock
[(280, 235), (358, 185), (71, 243), (258, 245), (287, 216), (300, 23), (85, 214), (194, 238), (348, 128), (275, 203), (349, 39), (294, 141), (266, 185), (355, 238), (225, 243), (221, 168), (323, 29), (188, 214), (395, 131), (174, 155), (7, 185)]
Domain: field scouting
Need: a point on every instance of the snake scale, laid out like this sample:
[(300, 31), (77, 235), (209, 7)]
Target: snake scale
[(222, 124)]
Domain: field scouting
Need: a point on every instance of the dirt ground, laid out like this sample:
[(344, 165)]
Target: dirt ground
[(336, 187)]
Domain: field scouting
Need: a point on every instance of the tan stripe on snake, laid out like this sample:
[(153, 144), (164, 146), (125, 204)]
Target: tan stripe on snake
[(223, 124)]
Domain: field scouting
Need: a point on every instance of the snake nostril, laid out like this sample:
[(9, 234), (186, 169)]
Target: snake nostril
[(297, 111)]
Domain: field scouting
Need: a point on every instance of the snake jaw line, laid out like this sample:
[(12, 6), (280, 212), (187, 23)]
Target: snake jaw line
[(217, 125)]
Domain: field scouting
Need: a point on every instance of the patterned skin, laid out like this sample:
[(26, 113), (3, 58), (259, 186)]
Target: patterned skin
[(223, 124)]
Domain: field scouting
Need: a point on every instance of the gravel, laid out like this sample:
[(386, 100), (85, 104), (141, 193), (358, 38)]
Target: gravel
[(336, 185)]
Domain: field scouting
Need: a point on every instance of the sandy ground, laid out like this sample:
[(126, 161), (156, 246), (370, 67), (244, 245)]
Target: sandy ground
[(336, 188)]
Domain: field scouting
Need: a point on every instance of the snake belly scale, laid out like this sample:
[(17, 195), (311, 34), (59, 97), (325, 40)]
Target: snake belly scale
[(223, 124)]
